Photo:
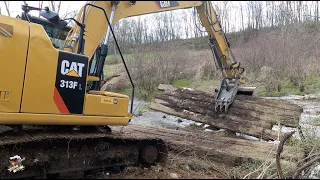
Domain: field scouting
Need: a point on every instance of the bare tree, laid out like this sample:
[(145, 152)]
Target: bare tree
[(242, 22), (55, 5), (7, 3), (185, 22), (272, 13), (225, 15), (317, 12), (40, 6), (299, 5)]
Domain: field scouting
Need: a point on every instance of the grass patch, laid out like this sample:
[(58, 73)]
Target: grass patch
[(112, 69), (127, 91), (206, 85), (116, 59), (264, 93), (313, 99), (287, 88), (312, 85), (194, 126), (245, 168), (148, 97), (183, 82), (316, 122), (201, 85), (140, 93), (141, 109)]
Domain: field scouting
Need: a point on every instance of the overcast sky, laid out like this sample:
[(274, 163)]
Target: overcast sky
[(67, 6), (15, 6)]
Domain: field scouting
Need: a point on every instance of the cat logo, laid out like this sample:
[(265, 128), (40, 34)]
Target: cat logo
[(166, 4), (72, 69)]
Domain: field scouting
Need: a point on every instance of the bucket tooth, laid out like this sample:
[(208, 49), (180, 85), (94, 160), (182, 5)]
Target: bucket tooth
[(221, 107), (226, 106)]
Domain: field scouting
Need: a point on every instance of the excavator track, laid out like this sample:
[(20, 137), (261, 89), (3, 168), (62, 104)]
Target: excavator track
[(50, 154)]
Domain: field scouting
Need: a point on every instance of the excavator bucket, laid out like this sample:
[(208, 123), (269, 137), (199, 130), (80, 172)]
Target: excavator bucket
[(227, 92)]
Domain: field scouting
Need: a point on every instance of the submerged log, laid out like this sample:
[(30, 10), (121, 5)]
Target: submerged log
[(248, 115)]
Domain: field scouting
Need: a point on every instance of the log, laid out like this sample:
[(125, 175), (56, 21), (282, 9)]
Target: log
[(248, 115), (218, 147)]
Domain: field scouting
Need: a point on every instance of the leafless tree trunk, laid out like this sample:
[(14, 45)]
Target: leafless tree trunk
[(59, 4), (317, 12), (225, 16), (272, 13), (6, 3), (55, 6), (40, 6), (242, 22), (299, 10)]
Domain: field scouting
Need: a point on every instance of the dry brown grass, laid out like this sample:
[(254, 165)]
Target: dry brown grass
[(277, 60), (149, 67), (288, 54)]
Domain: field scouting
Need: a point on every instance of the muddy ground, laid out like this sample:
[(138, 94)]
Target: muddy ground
[(180, 167), (191, 167)]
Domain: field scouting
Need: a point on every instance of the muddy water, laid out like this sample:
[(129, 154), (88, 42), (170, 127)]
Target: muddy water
[(311, 112), (156, 118)]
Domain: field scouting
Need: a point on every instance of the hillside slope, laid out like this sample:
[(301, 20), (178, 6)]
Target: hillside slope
[(279, 61)]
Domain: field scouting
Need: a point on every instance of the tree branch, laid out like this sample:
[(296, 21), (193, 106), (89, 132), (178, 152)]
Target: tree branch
[(53, 6), (59, 7), (305, 166), (308, 157), (279, 151), (40, 6), (7, 7)]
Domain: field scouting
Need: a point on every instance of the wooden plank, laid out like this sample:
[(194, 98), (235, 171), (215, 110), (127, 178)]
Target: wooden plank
[(222, 123), (248, 115)]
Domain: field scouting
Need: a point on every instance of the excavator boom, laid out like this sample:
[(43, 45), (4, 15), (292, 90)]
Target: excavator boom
[(97, 29)]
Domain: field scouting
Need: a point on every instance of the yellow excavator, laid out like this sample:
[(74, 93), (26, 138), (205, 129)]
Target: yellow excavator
[(44, 90)]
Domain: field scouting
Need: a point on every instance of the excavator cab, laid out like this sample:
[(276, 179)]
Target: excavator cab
[(51, 16)]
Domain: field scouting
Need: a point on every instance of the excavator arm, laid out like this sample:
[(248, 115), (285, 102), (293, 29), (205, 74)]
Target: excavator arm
[(92, 38)]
